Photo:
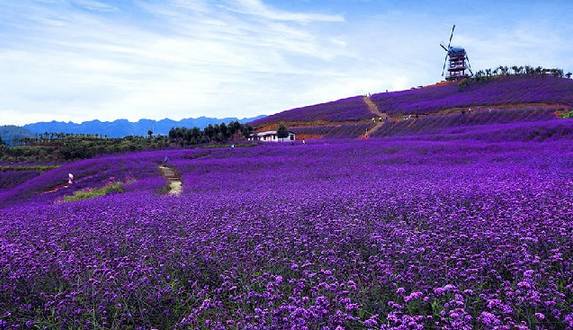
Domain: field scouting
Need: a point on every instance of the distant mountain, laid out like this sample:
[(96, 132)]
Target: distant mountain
[(123, 127), (10, 134)]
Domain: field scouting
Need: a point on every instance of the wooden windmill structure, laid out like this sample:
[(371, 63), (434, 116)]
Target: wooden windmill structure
[(457, 60)]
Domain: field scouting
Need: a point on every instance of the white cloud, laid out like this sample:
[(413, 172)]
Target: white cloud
[(94, 5), (258, 8)]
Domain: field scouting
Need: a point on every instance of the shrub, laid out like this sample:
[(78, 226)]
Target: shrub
[(115, 187), (567, 115), (282, 131)]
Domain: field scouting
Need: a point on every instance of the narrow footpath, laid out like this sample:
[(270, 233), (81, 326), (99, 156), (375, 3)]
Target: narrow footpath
[(175, 184), (378, 119)]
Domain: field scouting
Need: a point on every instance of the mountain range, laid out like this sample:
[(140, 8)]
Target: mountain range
[(116, 128)]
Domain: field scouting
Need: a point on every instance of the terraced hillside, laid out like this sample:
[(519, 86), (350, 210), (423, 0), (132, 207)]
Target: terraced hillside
[(431, 108)]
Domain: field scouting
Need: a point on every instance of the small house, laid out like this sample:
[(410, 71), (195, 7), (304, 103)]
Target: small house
[(272, 136)]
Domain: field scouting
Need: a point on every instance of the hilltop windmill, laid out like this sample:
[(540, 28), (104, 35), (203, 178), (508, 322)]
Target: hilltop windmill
[(458, 60)]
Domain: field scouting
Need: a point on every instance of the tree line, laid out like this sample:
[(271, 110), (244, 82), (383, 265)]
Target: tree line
[(66, 146), (70, 147), (520, 70), (218, 133)]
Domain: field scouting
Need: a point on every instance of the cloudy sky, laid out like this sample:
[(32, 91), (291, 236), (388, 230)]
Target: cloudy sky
[(78, 60)]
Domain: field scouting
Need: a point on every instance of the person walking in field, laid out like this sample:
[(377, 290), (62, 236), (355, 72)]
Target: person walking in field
[(70, 178)]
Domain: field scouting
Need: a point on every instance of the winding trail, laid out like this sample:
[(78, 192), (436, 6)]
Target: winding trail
[(378, 119), (175, 184)]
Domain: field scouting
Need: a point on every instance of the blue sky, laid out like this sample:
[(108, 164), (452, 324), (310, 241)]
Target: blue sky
[(78, 60)]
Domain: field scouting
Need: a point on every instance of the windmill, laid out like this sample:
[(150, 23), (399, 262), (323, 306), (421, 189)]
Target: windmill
[(458, 59)]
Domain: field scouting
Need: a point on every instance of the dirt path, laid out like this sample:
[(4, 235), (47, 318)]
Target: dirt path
[(378, 119), (175, 184)]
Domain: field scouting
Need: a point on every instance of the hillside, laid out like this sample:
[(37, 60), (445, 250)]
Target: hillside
[(427, 109)]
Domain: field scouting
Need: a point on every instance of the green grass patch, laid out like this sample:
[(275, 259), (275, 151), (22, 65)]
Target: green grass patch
[(115, 187), (568, 115), (38, 168)]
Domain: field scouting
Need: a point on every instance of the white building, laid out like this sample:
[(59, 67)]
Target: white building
[(271, 136)]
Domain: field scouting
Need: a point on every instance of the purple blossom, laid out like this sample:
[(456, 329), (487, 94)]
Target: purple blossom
[(413, 296), (488, 319), (323, 235)]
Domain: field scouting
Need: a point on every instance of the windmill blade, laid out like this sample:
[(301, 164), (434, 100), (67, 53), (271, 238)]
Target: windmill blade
[(469, 65), (451, 36), (444, 47), (444, 67)]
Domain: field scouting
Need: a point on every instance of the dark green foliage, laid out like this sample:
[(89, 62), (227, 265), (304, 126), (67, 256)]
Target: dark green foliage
[(568, 115), (211, 134), (527, 70), (282, 131), (115, 187), (505, 71), (58, 146)]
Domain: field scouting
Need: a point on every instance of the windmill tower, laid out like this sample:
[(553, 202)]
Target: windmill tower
[(458, 61)]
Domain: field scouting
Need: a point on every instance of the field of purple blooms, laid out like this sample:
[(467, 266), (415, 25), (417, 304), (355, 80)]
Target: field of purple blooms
[(502, 90), (350, 109), (9, 179), (449, 123), (346, 234), (431, 99), (535, 131), (138, 171), (347, 130)]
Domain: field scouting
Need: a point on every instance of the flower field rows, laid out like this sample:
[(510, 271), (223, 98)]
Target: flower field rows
[(333, 131), (503, 90), (9, 179), (51, 185), (432, 124), (377, 234), (431, 99), (349, 109)]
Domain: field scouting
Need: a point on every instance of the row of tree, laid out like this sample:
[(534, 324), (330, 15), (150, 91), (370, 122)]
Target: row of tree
[(64, 146), (519, 70), (69, 147), (218, 133)]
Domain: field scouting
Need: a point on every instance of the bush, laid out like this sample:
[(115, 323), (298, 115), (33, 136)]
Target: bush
[(115, 187), (567, 115), (282, 131)]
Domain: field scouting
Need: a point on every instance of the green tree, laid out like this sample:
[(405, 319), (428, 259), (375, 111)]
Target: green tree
[(149, 133), (282, 131)]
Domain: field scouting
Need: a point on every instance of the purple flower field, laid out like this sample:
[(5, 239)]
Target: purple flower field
[(503, 90), (49, 186), (456, 122), (334, 131), (9, 179), (347, 234), (349, 109)]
